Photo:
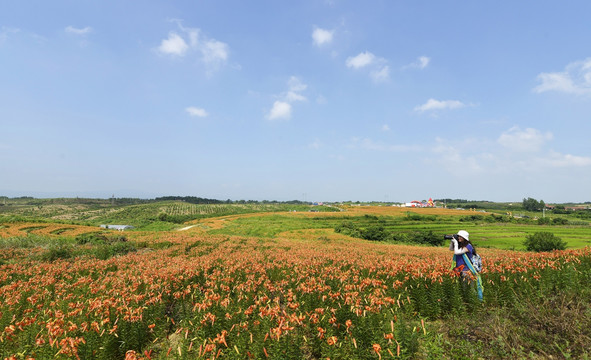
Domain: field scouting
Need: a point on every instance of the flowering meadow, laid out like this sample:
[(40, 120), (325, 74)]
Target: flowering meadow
[(190, 295)]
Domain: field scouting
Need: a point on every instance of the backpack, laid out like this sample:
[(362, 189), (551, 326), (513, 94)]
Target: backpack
[(476, 262)]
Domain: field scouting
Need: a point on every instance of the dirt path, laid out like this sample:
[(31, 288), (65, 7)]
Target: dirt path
[(186, 228)]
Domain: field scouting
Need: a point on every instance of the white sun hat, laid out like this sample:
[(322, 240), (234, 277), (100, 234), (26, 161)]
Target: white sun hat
[(464, 234)]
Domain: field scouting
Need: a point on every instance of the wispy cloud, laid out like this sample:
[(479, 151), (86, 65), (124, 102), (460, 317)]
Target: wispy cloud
[(433, 104), (371, 145), (282, 108), (528, 140), (322, 37), (575, 79), (186, 40), (385, 127), (295, 87), (316, 144), (380, 74), (5, 32), (196, 112), (78, 31), (514, 151), (421, 63), (558, 160), (379, 70), (453, 157)]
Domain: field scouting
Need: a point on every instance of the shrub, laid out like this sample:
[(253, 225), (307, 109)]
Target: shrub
[(90, 238), (99, 239), (374, 232), (348, 228), (417, 217), (472, 218), (104, 252), (559, 221), (429, 238), (57, 252), (419, 237), (543, 241)]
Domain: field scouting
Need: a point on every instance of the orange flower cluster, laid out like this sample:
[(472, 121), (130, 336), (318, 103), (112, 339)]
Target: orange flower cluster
[(47, 229)]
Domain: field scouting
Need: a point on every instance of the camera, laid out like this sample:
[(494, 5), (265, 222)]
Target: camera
[(449, 237)]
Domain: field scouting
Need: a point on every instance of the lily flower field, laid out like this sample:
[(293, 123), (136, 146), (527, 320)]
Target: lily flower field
[(201, 294)]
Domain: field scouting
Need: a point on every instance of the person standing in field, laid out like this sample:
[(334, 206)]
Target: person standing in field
[(464, 256), (460, 245)]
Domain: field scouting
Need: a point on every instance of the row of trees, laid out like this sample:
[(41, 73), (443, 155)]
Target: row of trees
[(199, 200)]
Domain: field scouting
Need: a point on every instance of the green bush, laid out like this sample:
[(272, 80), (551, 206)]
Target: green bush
[(91, 238), (428, 237), (374, 232), (57, 252), (104, 252), (475, 218), (543, 241), (559, 221), (348, 228), (424, 237), (99, 238)]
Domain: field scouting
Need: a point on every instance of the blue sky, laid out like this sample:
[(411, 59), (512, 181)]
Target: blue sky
[(311, 100)]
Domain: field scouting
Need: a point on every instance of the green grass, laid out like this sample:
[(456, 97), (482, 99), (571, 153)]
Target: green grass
[(508, 236), (556, 325)]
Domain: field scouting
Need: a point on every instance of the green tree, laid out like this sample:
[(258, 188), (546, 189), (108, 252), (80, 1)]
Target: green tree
[(531, 204)]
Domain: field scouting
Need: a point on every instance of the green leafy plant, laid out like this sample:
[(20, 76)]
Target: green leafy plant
[(543, 241)]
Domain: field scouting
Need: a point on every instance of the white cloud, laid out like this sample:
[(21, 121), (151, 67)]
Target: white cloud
[(198, 112), (213, 52), (381, 74), (76, 31), (292, 96), (295, 87), (528, 140), (280, 110), (567, 160), (575, 79), (379, 70), (421, 63), (528, 154), (385, 127), (433, 104), (173, 45), (321, 36), (361, 60)]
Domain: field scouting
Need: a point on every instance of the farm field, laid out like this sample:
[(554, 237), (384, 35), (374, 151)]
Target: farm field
[(286, 285)]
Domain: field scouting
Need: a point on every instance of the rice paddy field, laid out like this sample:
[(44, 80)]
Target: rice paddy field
[(283, 284)]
